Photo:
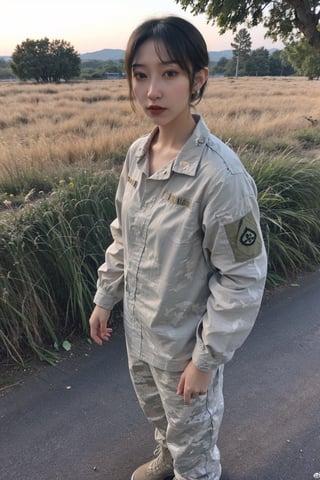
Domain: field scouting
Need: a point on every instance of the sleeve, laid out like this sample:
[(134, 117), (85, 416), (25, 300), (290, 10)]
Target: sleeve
[(110, 282), (233, 245)]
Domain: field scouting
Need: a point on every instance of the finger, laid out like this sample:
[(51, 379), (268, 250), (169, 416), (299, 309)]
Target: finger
[(102, 326), (106, 334), (105, 331), (180, 387), (95, 337), (186, 397), (98, 334)]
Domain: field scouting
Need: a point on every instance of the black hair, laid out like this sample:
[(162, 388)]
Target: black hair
[(182, 41)]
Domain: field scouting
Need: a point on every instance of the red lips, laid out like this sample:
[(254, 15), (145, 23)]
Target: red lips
[(156, 109)]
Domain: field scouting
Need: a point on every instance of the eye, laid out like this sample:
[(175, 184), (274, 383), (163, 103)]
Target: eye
[(170, 73), (138, 75)]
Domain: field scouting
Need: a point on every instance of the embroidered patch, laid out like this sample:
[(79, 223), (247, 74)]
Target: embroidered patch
[(133, 182), (248, 237), (178, 200), (244, 238)]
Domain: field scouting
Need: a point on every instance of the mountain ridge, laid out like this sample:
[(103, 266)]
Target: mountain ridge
[(118, 54)]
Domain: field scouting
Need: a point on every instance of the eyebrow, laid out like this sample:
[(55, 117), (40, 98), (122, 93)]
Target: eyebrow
[(168, 62)]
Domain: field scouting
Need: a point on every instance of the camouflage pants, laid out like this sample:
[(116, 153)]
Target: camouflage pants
[(189, 431)]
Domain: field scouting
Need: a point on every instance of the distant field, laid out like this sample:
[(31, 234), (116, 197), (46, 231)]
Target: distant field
[(54, 128)]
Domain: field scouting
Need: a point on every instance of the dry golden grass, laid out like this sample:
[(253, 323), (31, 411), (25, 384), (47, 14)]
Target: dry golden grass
[(52, 127), (266, 112)]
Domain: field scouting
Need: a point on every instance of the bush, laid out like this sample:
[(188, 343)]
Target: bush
[(289, 192), (49, 256), (308, 137), (50, 251)]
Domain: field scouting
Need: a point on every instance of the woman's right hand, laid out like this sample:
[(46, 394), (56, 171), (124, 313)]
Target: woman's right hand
[(98, 321)]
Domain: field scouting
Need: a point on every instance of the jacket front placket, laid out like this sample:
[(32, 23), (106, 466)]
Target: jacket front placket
[(149, 193)]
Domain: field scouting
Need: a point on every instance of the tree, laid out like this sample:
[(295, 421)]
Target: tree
[(218, 68), (258, 63), (65, 62), (275, 64), (5, 71), (45, 61), (279, 66), (304, 58), (93, 69), (282, 19), (241, 47)]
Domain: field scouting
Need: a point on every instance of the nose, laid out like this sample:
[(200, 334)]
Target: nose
[(154, 90)]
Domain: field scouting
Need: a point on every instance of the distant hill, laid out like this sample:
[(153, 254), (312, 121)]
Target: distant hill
[(104, 55), (115, 54), (215, 56)]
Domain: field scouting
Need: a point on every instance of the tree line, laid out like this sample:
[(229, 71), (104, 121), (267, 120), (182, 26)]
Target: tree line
[(295, 22), (297, 59)]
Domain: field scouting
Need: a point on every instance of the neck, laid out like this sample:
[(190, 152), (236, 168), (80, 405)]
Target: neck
[(174, 137)]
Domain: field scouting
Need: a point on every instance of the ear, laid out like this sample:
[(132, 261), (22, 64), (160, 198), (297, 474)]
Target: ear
[(200, 78)]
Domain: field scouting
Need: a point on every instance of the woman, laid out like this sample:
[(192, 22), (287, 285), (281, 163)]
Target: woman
[(188, 258)]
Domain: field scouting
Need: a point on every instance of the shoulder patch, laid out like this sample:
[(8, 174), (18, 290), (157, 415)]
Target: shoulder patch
[(244, 238)]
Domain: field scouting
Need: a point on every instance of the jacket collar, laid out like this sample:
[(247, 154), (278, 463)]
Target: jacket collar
[(189, 157)]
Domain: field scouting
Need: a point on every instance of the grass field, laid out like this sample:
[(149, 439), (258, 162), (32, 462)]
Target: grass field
[(52, 130), (61, 144)]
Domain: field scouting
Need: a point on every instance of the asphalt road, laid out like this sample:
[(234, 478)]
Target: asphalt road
[(81, 421)]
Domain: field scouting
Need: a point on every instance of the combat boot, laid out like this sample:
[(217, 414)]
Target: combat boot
[(158, 469)]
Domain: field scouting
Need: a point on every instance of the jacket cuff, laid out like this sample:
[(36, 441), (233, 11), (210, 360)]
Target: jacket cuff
[(202, 358), (104, 300)]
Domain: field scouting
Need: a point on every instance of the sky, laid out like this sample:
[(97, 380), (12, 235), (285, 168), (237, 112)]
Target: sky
[(91, 25)]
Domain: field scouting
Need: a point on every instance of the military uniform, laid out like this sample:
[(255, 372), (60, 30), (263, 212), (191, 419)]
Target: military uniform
[(188, 260)]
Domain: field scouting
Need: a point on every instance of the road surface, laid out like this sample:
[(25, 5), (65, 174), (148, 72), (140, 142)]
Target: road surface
[(81, 421)]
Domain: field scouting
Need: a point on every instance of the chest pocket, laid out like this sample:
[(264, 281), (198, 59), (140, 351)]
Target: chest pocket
[(179, 219)]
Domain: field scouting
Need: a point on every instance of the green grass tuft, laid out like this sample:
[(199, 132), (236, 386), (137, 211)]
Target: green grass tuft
[(49, 255), (289, 192), (51, 249)]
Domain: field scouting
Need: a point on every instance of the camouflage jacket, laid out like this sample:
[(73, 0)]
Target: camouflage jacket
[(188, 257)]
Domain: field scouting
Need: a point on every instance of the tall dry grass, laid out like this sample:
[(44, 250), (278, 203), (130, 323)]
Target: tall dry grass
[(49, 251), (57, 128), (268, 113)]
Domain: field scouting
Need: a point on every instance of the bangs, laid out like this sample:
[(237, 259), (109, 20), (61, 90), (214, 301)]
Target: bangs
[(167, 49)]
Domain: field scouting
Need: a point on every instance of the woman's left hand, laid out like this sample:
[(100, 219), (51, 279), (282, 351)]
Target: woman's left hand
[(193, 382)]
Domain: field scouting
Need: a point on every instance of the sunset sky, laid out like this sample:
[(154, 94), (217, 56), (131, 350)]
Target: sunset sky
[(98, 24)]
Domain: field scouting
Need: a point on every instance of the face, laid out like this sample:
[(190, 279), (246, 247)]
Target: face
[(160, 87)]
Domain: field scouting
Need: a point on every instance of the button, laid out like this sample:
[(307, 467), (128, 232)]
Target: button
[(200, 140)]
